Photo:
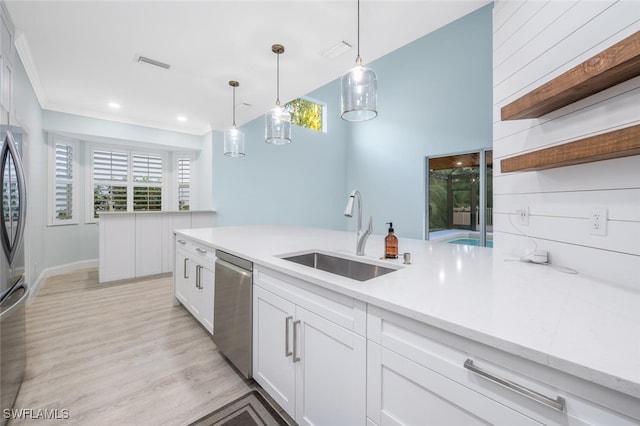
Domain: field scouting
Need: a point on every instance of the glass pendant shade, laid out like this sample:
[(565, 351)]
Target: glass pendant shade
[(234, 143), (234, 138), (277, 129), (359, 88), (277, 121)]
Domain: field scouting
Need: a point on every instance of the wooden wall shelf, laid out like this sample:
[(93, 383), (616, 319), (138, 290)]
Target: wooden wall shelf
[(619, 143), (612, 66)]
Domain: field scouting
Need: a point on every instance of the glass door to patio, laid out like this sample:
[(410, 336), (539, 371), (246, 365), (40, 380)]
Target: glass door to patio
[(460, 198)]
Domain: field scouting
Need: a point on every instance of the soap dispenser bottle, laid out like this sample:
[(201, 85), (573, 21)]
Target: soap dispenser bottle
[(391, 244)]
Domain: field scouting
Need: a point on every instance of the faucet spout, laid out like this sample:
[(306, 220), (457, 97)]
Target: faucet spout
[(361, 235)]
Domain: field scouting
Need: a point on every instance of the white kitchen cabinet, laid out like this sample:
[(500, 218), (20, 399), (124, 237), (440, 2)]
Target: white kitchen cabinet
[(302, 357), (416, 375), (194, 280), (170, 222), (181, 276)]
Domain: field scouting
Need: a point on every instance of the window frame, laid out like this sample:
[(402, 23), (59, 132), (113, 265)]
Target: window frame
[(52, 220), (89, 205)]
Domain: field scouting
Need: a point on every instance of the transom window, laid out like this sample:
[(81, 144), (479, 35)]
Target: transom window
[(307, 113)]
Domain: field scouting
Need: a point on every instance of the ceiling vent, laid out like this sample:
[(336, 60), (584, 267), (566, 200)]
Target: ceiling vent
[(153, 62)]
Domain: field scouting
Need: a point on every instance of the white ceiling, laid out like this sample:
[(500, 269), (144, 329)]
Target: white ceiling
[(81, 55)]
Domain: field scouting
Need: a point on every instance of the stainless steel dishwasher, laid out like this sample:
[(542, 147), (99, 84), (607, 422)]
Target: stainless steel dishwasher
[(232, 316)]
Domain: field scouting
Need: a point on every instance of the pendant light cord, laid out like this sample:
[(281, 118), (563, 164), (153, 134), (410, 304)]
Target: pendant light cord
[(278, 80), (234, 107), (358, 31)]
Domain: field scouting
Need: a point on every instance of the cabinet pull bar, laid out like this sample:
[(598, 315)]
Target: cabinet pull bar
[(296, 358), (199, 250), (184, 269), (287, 351), (557, 403), (198, 276), (183, 242)]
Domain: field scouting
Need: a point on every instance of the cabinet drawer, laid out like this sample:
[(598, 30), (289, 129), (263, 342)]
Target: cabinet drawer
[(340, 309), (447, 354), (197, 252)]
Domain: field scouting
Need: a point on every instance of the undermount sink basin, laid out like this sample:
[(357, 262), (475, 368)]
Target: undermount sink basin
[(349, 268)]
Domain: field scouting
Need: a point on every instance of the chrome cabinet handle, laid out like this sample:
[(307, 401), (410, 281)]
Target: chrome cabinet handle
[(296, 358), (184, 269), (183, 242), (557, 403), (199, 250), (287, 351), (198, 268)]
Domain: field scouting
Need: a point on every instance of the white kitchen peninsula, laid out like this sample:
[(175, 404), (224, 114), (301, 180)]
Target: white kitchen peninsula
[(430, 325), (137, 244)]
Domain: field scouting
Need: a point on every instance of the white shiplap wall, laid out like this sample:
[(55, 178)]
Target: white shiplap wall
[(534, 41)]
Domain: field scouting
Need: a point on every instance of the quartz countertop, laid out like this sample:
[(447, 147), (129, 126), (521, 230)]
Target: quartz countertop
[(584, 327)]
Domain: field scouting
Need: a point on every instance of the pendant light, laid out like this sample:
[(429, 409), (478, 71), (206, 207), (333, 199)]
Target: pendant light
[(358, 89), (234, 138), (277, 130)]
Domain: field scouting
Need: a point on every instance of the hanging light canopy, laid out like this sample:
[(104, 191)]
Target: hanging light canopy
[(277, 130), (358, 89), (234, 138)]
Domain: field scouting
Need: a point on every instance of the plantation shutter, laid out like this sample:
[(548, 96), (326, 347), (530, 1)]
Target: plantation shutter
[(110, 171), (184, 183), (63, 192), (147, 178)]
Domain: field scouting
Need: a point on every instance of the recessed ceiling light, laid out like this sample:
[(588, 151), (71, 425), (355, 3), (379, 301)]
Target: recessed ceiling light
[(459, 163), (114, 105), (336, 50), (181, 118), (242, 107)]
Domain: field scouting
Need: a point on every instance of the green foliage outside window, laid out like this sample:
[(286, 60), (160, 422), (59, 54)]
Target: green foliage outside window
[(305, 113)]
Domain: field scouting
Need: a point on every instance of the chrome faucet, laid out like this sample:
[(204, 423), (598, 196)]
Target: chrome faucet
[(360, 234)]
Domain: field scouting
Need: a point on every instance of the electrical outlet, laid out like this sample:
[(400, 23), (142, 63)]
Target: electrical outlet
[(598, 221), (523, 216)]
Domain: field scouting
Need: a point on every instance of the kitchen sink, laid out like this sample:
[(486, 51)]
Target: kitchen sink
[(349, 268)]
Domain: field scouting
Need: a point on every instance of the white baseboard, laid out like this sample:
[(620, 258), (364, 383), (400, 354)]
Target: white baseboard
[(58, 270)]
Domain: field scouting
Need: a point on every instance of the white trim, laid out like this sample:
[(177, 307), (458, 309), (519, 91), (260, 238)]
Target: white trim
[(34, 288), (22, 47), (54, 139)]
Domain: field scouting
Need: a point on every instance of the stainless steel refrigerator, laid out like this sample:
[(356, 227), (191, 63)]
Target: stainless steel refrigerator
[(13, 288)]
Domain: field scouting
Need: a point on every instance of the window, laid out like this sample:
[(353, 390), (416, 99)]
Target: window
[(110, 173), (307, 113), (126, 181), (63, 182), (147, 187), (184, 183)]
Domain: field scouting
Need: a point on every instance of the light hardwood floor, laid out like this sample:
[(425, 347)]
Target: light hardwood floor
[(120, 354)]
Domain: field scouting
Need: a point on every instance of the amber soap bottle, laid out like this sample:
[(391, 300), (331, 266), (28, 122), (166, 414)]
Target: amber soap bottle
[(391, 244)]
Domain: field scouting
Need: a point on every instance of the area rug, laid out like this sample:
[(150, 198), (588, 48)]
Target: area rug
[(248, 410)]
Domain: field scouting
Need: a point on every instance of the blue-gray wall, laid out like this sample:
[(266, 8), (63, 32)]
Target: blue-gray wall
[(298, 184), (434, 98)]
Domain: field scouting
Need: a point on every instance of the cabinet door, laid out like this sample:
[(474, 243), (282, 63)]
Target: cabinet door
[(272, 347), (402, 392), (331, 373), (195, 293), (181, 277), (207, 294)]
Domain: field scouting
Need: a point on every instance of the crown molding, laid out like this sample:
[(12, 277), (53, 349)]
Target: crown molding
[(22, 47)]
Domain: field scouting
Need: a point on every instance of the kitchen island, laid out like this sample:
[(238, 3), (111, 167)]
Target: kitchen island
[(562, 333)]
